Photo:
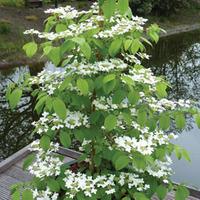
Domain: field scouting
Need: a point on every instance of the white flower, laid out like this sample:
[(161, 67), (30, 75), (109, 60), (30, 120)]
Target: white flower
[(44, 194), (76, 182), (47, 163), (53, 122)]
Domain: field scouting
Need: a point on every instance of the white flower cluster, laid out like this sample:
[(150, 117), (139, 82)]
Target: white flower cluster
[(121, 26), (136, 59), (49, 79), (146, 144), (105, 103), (76, 182), (69, 12), (44, 194), (161, 105), (144, 76), (47, 163), (84, 143), (132, 180), (97, 67), (160, 169), (72, 30), (53, 122)]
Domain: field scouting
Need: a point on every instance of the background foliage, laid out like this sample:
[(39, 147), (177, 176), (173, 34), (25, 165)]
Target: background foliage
[(157, 7)]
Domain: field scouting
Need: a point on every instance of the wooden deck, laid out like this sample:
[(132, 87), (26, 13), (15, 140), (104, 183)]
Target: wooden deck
[(11, 171)]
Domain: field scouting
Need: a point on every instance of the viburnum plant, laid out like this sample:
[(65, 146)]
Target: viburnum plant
[(102, 101)]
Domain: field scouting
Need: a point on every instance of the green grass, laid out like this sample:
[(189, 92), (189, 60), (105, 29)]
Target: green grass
[(13, 3)]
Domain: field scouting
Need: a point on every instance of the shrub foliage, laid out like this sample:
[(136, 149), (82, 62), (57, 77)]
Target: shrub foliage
[(100, 99)]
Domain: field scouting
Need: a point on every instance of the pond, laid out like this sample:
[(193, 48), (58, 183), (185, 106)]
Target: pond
[(176, 57), (15, 126)]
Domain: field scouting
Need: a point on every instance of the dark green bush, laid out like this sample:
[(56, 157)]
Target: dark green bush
[(157, 7), (4, 27)]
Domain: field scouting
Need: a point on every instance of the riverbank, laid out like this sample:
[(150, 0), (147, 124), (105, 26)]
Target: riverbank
[(19, 19)]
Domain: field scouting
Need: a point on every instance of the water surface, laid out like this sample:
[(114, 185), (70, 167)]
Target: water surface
[(178, 59)]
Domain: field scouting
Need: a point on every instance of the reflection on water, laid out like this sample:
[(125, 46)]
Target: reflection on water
[(15, 126), (178, 59)]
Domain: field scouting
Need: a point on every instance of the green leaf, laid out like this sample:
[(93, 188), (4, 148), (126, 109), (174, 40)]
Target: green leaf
[(135, 46), (53, 185), (197, 119), (27, 195), (121, 162), (83, 86), (86, 50), (115, 47), (40, 104), (160, 153), (65, 139), (178, 151), (139, 161), (60, 28), (30, 49), (78, 40), (154, 36), (110, 122), (109, 7), (59, 108), (109, 86), (126, 198), (161, 89), (49, 103), (140, 196), (55, 55), (14, 97), (123, 6), (181, 193), (127, 44), (66, 46), (161, 192), (28, 161), (185, 155), (118, 96), (47, 50), (164, 121), (141, 117), (133, 97), (108, 78), (128, 80), (98, 43), (45, 142), (84, 46), (65, 83), (180, 120), (16, 195)]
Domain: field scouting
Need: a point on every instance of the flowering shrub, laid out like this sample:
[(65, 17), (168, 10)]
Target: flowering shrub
[(101, 98)]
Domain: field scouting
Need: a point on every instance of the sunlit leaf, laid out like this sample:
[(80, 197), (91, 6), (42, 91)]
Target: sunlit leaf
[(59, 108), (30, 49)]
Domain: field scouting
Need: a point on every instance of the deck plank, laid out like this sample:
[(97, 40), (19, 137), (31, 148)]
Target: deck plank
[(18, 173), (171, 196), (11, 172)]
